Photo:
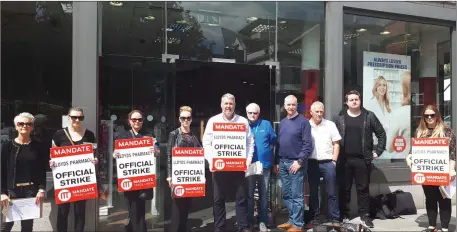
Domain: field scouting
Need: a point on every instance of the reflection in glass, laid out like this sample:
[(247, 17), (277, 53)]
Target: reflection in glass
[(242, 31), (300, 45), (425, 48)]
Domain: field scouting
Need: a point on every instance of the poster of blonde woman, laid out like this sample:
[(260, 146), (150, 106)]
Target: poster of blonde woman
[(387, 93)]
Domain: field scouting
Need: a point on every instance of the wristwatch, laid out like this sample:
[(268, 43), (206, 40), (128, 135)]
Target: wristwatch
[(334, 161)]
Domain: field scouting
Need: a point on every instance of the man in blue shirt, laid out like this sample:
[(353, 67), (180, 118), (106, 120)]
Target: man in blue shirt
[(294, 147), (264, 140)]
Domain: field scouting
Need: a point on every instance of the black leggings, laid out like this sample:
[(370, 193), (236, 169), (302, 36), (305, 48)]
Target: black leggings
[(432, 199), (63, 210), (21, 192), (137, 211), (179, 214)]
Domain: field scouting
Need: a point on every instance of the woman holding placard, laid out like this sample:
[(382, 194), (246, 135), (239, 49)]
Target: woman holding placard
[(23, 170), (181, 137), (432, 126), (74, 134), (136, 199)]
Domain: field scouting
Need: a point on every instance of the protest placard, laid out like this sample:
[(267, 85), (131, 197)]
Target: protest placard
[(229, 147), (135, 164), (188, 172), (74, 173), (430, 161)]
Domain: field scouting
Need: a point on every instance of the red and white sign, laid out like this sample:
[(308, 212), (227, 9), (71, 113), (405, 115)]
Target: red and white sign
[(188, 172), (399, 144), (430, 161), (74, 173), (135, 164), (229, 147)]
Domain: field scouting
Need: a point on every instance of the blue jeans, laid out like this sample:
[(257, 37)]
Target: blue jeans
[(292, 188), (327, 170), (263, 182)]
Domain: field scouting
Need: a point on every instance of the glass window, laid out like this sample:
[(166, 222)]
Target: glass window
[(133, 28), (398, 67), (241, 31), (36, 65), (301, 52)]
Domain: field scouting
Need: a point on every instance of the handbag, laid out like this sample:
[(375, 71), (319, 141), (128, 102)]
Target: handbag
[(145, 194)]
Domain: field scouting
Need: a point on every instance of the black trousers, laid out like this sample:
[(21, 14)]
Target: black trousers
[(224, 182), (357, 169), (432, 199), (63, 210), (179, 214), (21, 192), (137, 211)]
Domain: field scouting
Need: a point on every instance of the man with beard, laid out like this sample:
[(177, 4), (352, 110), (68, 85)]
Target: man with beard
[(223, 182)]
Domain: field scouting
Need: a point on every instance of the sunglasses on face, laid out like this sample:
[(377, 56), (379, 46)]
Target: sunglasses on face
[(185, 118), (26, 124), (80, 118), (254, 113), (429, 115), (137, 119)]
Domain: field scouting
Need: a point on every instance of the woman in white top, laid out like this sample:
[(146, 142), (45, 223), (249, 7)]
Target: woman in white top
[(400, 121), (379, 103)]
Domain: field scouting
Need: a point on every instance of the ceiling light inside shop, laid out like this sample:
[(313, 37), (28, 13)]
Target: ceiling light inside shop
[(244, 82), (116, 3), (361, 30), (384, 32), (149, 17), (283, 22), (67, 7), (251, 19)]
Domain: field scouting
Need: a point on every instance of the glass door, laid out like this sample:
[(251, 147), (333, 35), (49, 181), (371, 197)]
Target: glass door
[(201, 85), (128, 83)]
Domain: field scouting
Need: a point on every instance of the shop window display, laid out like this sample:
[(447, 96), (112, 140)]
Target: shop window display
[(398, 67)]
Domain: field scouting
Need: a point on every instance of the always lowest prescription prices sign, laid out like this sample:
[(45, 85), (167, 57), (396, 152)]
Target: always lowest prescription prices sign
[(74, 173), (229, 147), (188, 172), (430, 161), (135, 164)]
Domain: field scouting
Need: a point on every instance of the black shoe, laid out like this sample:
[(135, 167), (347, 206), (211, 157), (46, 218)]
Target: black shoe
[(366, 221)]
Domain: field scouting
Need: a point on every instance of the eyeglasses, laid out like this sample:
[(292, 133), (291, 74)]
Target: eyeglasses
[(26, 124), (429, 115), (254, 113), (185, 118), (137, 119), (80, 118)]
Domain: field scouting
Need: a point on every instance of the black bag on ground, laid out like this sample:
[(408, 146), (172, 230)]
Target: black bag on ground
[(392, 205), (401, 202)]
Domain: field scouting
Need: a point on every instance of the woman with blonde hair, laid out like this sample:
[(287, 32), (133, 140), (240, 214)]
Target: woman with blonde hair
[(181, 137), (432, 126), (23, 165), (380, 103)]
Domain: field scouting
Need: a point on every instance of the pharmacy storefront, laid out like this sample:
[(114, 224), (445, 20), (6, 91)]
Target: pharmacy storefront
[(112, 57)]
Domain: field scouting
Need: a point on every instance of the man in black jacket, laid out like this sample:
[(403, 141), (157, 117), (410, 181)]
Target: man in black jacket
[(356, 126)]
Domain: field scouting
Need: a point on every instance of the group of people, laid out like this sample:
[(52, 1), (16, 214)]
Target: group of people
[(339, 151)]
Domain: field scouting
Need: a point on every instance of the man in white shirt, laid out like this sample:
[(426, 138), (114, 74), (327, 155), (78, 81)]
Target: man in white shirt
[(226, 181), (322, 163)]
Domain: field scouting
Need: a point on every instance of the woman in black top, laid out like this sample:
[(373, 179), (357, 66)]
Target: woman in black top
[(23, 168), (181, 137), (432, 126), (136, 199), (74, 134)]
